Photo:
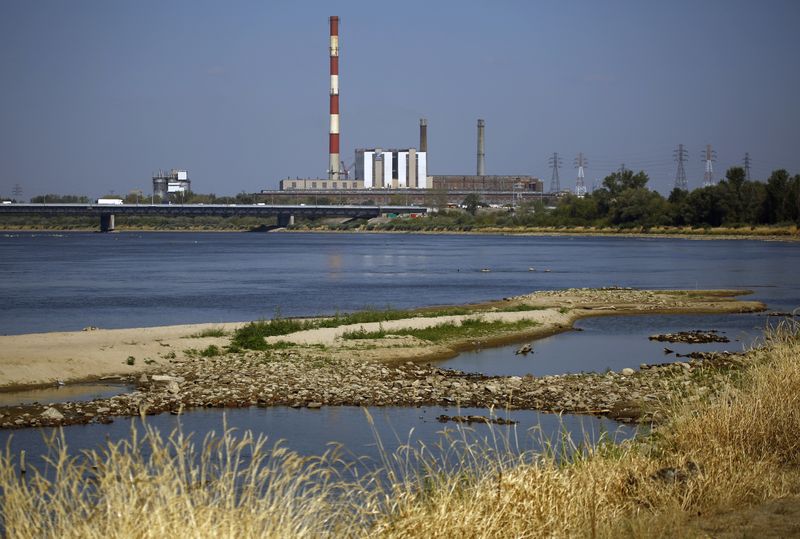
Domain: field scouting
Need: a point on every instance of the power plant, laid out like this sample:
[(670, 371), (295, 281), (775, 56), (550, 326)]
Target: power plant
[(398, 169), (174, 181)]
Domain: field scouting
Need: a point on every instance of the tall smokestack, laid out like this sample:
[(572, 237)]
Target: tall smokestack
[(333, 170), (423, 135), (481, 150)]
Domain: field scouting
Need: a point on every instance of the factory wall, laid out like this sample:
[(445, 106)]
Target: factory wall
[(302, 184)]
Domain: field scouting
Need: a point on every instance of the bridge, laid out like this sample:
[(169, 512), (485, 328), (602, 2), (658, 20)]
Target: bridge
[(285, 213)]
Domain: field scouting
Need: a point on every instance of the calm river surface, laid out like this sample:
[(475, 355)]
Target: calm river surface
[(53, 282)]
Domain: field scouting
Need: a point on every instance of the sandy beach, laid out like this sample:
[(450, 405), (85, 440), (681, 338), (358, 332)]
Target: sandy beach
[(46, 358)]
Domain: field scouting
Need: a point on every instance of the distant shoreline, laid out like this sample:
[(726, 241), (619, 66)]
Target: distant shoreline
[(723, 233)]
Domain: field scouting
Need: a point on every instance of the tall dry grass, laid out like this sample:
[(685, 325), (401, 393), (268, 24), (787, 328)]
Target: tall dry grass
[(148, 486), (738, 448)]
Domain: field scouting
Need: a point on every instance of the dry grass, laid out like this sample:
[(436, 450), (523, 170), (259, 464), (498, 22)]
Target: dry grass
[(740, 448)]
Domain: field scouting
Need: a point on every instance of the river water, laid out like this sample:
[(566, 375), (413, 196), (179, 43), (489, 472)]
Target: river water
[(52, 282)]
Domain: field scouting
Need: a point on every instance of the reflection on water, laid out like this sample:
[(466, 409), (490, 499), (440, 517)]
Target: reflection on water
[(611, 342), (70, 392)]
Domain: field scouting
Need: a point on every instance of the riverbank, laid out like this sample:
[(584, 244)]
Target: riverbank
[(789, 234), (368, 359), (767, 233), (722, 465)]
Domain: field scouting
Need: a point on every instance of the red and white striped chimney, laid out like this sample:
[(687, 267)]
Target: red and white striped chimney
[(333, 170)]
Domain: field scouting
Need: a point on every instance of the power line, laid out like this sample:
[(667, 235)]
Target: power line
[(710, 157), (680, 155), (555, 162), (746, 162), (580, 184)]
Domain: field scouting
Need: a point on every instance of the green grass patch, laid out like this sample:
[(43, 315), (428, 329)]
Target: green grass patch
[(522, 307), (251, 336), (471, 327), (209, 332), (211, 351)]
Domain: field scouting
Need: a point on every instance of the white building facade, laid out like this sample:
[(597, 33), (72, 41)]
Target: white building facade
[(392, 169)]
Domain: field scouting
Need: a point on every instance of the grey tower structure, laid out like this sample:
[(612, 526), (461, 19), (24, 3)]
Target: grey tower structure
[(680, 155), (481, 150), (555, 182)]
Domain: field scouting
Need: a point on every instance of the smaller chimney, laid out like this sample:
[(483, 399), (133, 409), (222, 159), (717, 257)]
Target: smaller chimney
[(481, 150), (423, 135)]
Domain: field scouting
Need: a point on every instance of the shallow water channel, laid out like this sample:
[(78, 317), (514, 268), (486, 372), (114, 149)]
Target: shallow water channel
[(601, 343), (311, 432), (84, 392)]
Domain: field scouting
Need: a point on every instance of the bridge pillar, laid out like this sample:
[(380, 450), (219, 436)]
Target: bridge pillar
[(106, 222), (285, 219)]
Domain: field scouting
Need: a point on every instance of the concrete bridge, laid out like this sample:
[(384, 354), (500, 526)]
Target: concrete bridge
[(285, 213)]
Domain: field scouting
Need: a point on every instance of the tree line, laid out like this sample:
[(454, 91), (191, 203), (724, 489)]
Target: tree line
[(625, 201)]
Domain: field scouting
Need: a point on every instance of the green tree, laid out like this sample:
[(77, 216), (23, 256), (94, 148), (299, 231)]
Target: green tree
[(59, 199), (705, 207), (472, 201), (574, 210), (777, 198), (618, 182), (642, 207)]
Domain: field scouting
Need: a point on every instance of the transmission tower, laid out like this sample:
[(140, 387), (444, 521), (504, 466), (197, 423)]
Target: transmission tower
[(17, 191), (680, 155), (622, 169), (710, 157), (747, 163), (580, 184), (555, 162)]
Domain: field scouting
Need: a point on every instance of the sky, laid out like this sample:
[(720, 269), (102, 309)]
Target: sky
[(97, 95)]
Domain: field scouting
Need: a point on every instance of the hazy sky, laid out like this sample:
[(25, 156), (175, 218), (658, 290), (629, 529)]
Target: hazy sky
[(97, 95)]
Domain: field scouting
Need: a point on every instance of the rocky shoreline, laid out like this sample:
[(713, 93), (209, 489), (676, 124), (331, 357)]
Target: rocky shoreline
[(298, 380), (319, 367)]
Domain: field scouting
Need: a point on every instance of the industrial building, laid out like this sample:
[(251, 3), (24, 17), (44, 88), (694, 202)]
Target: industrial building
[(452, 182), (300, 184), (392, 169), (381, 174), (174, 181)]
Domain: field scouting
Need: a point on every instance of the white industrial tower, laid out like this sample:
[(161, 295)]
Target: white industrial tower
[(580, 183), (710, 157)]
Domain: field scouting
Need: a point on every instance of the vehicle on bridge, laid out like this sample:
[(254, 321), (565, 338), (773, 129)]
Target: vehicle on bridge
[(109, 201)]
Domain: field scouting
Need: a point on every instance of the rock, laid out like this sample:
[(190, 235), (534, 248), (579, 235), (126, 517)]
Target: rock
[(690, 337), (52, 413), (143, 379), (167, 378), (627, 371), (173, 387), (514, 381), (525, 350), (314, 405)]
